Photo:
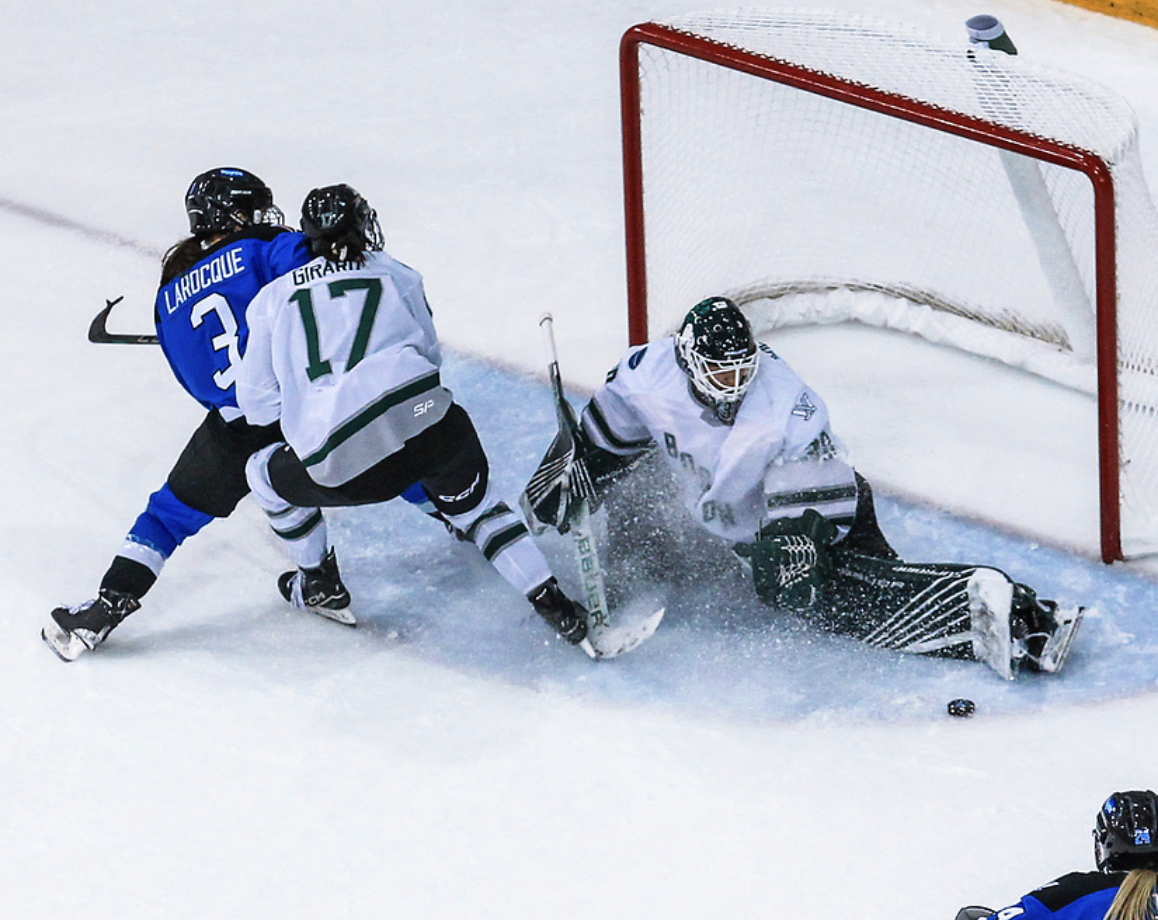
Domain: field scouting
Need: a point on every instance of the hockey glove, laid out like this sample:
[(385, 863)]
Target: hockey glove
[(569, 474), (791, 561)]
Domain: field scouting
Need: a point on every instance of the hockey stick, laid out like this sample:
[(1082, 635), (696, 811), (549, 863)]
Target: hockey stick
[(576, 492), (99, 334)]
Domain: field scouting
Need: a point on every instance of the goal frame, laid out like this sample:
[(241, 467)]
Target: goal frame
[(936, 118)]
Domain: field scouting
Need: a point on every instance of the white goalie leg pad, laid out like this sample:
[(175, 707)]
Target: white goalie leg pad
[(990, 601), (302, 531)]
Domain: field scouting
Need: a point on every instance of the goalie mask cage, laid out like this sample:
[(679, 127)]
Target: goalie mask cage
[(822, 167)]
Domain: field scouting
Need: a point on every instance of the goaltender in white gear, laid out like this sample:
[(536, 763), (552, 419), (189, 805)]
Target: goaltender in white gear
[(758, 465), (737, 474), (343, 352)]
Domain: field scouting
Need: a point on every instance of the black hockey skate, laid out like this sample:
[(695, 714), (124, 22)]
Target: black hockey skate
[(567, 618), (75, 630), (319, 590), (1042, 632)]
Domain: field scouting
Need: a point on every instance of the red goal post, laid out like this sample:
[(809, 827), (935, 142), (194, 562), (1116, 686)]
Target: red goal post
[(767, 62)]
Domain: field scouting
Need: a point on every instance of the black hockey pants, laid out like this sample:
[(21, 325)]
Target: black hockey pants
[(447, 459)]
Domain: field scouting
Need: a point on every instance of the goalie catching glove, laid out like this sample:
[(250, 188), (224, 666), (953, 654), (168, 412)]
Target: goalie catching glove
[(791, 560)]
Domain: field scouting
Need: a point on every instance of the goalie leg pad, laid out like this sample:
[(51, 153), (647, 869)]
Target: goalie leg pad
[(990, 599), (921, 609)]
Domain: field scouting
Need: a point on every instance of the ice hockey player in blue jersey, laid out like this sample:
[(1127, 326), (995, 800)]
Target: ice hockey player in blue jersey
[(237, 244), (1125, 887), (344, 353), (721, 421)]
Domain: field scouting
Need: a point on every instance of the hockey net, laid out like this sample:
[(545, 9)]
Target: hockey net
[(822, 167)]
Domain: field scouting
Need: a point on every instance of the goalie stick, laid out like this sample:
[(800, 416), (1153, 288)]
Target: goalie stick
[(561, 466), (100, 335)]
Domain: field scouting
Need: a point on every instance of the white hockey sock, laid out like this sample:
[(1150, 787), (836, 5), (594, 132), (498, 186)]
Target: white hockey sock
[(302, 531), (506, 543), (144, 554)]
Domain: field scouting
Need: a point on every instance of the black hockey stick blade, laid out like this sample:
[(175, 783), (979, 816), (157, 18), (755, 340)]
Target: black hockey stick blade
[(100, 335)]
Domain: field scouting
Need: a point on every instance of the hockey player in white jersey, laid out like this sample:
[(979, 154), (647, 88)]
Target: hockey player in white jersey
[(752, 450), (343, 352)]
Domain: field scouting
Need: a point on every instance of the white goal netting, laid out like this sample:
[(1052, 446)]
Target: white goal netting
[(808, 208)]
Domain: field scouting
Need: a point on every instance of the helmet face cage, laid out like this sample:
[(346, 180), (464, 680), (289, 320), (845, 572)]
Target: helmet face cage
[(226, 199), (716, 350), (1126, 833), (340, 222)]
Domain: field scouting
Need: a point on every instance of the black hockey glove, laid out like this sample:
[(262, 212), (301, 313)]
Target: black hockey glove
[(791, 561)]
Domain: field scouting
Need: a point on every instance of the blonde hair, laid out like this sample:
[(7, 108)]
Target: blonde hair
[(1135, 897)]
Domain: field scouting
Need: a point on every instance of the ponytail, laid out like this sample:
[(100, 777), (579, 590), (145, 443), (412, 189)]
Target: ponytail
[(1135, 897), (181, 257)]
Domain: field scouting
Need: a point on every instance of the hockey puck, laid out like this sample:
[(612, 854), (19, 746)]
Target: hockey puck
[(962, 708)]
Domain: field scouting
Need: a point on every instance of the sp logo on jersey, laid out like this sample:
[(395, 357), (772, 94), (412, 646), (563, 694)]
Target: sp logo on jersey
[(423, 407)]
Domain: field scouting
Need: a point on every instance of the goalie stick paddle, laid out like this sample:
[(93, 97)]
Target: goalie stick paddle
[(99, 334), (606, 639)]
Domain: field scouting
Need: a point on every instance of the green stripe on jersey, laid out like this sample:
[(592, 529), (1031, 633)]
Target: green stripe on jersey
[(368, 415)]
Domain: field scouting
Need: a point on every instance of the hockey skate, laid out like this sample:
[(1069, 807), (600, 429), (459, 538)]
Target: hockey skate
[(1012, 628), (566, 617), (75, 630), (1042, 632), (319, 590)]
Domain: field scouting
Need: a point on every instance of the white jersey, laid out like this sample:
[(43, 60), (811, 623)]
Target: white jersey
[(347, 358), (776, 460)]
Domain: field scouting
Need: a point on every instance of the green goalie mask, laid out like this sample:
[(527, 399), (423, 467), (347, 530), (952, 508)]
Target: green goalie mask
[(716, 350)]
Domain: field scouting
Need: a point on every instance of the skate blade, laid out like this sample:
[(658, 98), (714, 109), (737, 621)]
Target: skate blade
[(612, 641), (1057, 649), (65, 646), (343, 616)]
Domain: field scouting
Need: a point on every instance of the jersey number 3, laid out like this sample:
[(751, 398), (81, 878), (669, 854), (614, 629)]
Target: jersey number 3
[(226, 340), (303, 297)]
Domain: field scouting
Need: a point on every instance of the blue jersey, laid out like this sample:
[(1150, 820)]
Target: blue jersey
[(200, 313), (1077, 896)]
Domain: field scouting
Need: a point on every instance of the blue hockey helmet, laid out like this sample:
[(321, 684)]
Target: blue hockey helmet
[(1126, 834)]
